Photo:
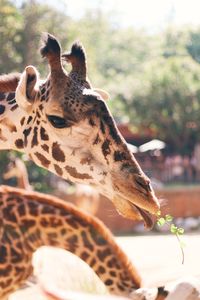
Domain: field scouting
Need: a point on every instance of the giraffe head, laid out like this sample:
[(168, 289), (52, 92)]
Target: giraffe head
[(68, 129)]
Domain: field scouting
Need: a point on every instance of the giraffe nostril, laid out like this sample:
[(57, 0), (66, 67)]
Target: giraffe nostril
[(144, 183)]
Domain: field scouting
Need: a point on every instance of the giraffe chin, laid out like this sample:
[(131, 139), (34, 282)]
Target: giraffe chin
[(131, 211)]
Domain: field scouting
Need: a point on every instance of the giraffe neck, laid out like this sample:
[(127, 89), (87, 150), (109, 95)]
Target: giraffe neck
[(23, 182), (30, 220), (19, 171)]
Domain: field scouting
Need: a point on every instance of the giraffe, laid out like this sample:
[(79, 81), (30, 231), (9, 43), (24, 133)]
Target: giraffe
[(30, 220), (17, 168), (64, 125)]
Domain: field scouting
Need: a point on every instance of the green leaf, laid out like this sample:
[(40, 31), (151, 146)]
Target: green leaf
[(161, 222), (158, 214), (168, 218), (180, 230), (173, 228)]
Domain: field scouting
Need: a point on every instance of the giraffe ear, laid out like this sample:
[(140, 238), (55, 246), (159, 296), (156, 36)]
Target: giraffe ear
[(102, 93), (27, 88)]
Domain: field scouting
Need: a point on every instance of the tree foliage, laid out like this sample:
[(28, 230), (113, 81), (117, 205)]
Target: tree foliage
[(167, 100)]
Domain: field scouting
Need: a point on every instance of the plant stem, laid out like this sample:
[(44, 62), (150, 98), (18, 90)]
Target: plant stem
[(183, 255)]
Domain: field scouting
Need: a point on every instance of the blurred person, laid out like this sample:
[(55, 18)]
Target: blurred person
[(197, 161), (186, 169), (177, 167)]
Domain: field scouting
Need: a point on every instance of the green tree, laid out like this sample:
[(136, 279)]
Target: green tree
[(193, 45), (38, 18), (167, 99), (10, 26)]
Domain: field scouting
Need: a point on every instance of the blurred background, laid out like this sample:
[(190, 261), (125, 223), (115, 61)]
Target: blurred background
[(146, 55)]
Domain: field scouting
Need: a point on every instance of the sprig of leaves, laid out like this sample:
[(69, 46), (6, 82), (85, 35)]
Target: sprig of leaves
[(177, 231)]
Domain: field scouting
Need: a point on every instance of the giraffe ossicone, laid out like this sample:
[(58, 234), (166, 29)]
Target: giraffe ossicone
[(65, 126)]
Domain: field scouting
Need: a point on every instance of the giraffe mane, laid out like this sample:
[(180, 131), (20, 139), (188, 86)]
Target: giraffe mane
[(9, 82)]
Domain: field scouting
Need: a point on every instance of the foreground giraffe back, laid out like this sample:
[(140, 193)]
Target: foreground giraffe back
[(64, 125), (30, 220)]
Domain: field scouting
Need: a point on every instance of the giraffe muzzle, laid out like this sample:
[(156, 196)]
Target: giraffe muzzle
[(132, 211)]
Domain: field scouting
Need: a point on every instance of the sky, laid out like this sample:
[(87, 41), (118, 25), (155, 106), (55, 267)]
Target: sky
[(147, 14)]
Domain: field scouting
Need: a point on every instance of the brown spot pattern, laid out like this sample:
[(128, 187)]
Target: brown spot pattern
[(5, 271), (3, 255), (86, 241), (57, 153), (91, 122), (97, 140), (86, 160), (27, 224), (106, 148), (119, 156), (19, 143), (85, 255), (43, 134), (9, 214), (102, 127), (108, 282), (45, 148), (15, 256), (14, 107), (44, 161), (22, 121), (73, 172), (102, 254), (21, 210), (26, 133), (101, 270), (108, 120), (58, 170), (30, 118), (35, 137)]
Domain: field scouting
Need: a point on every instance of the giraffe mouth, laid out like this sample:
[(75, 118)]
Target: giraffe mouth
[(132, 211), (146, 216)]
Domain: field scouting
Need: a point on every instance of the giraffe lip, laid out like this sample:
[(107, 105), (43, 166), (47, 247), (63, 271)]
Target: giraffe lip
[(147, 217)]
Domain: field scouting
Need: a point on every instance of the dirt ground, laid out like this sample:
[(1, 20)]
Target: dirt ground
[(157, 257)]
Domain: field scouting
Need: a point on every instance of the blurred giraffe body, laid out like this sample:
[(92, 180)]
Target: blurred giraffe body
[(17, 168), (87, 198), (65, 126), (30, 220)]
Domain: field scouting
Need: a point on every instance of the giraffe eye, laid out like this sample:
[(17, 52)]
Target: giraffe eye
[(58, 122)]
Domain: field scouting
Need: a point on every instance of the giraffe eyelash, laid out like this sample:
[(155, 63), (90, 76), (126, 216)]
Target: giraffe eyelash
[(58, 122)]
